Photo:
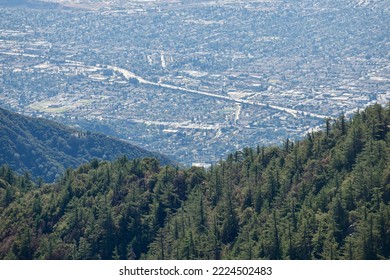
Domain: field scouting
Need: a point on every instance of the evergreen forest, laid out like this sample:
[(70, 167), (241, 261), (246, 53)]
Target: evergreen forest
[(45, 148), (323, 197)]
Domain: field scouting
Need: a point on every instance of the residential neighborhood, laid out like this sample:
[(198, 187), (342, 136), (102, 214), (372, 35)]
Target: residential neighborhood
[(198, 80)]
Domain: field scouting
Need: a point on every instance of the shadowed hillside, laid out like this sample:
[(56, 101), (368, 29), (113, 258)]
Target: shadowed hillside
[(45, 148), (324, 197)]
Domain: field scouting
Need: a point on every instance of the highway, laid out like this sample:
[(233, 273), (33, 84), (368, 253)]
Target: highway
[(296, 113)]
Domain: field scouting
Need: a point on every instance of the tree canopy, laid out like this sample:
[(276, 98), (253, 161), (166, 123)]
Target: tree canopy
[(45, 148), (323, 197)]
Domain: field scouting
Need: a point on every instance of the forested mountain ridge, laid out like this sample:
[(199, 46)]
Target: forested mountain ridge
[(325, 197), (45, 148)]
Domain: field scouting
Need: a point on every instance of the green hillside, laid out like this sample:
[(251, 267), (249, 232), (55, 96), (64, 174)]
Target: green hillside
[(325, 197), (45, 148)]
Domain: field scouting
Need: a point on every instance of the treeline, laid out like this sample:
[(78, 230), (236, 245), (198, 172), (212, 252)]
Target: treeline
[(102, 210), (325, 197), (45, 149)]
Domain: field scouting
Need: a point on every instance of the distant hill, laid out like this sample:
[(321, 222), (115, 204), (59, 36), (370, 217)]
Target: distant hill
[(13, 2), (45, 148), (27, 3)]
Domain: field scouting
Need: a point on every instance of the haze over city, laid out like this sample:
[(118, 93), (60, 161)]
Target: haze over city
[(194, 80)]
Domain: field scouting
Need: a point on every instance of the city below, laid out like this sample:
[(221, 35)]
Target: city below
[(195, 80)]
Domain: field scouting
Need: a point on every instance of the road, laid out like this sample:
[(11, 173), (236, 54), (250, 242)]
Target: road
[(130, 75)]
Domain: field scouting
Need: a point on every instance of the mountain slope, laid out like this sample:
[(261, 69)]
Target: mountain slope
[(45, 148), (324, 197)]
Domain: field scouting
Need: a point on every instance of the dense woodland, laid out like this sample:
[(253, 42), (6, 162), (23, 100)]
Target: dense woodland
[(45, 149), (324, 197)]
